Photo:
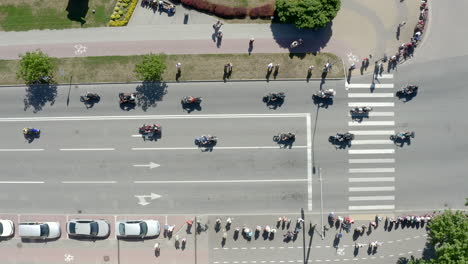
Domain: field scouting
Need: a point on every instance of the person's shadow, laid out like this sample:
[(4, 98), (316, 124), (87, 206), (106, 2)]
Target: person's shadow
[(250, 49), (268, 75)]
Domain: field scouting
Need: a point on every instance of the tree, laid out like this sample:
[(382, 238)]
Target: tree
[(35, 67), (151, 68), (307, 14)]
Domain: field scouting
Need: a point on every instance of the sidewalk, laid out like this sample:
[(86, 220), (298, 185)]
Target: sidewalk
[(374, 34)]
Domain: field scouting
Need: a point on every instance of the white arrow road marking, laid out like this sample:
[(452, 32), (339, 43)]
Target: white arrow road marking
[(142, 198), (151, 165)]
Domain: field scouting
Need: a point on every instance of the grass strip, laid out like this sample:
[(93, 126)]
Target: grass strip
[(201, 67)]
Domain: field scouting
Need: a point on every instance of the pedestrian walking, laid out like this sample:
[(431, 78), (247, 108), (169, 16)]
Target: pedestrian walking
[(251, 41), (179, 67), (270, 66), (352, 67)]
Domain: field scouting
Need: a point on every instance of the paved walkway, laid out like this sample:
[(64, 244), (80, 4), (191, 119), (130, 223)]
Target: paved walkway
[(362, 27)]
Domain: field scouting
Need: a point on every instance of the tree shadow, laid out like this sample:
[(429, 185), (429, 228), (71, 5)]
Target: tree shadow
[(77, 10), (149, 93), (37, 95), (314, 40)]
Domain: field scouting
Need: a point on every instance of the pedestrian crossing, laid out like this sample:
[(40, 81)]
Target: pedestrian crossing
[(371, 181)]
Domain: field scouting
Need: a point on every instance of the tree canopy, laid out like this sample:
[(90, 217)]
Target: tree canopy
[(151, 68), (307, 14), (35, 67)]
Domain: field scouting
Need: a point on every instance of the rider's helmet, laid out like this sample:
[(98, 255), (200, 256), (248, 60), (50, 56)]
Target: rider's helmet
[(25, 131)]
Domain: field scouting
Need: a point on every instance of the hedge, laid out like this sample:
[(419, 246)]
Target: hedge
[(230, 12), (128, 15)]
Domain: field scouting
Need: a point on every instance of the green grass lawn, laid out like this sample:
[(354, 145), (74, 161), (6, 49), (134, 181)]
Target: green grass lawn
[(22, 15), (194, 67)]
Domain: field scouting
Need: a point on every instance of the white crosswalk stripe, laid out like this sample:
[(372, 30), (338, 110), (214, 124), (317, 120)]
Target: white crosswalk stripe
[(367, 173)]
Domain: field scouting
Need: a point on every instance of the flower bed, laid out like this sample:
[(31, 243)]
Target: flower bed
[(264, 11), (123, 11)]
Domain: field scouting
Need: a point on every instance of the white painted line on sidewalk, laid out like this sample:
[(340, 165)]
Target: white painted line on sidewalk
[(22, 150), (227, 148), (143, 117), (309, 162), (371, 198), (371, 104), (371, 123), (372, 189), (372, 142), (373, 179), (371, 207), (373, 114), (371, 170), (372, 132), (385, 76), (369, 85), (371, 151), (21, 182), (227, 181), (88, 182), (87, 149), (370, 95)]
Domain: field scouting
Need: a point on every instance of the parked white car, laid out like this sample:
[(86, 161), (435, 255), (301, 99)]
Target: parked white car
[(137, 228), (7, 228), (88, 228), (36, 230)]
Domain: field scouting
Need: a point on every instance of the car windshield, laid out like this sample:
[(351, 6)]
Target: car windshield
[(143, 229), (72, 227), (94, 228), (122, 229), (44, 230)]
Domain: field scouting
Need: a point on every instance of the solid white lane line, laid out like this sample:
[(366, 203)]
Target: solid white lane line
[(371, 104), (372, 189), (371, 123), (88, 182), (369, 85), (196, 148), (355, 161), (309, 162), (373, 114), (371, 198), (87, 149), (228, 181), (372, 132), (371, 170), (12, 150), (372, 142), (370, 95), (371, 207), (373, 179), (143, 117), (21, 182), (371, 151)]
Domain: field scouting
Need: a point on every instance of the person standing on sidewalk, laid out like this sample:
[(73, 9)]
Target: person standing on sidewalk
[(179, 67)]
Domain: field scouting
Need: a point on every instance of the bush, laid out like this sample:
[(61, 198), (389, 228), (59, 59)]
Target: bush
[(262, 11), (307, 14), (35, 67), (151, 68), (126, 18)]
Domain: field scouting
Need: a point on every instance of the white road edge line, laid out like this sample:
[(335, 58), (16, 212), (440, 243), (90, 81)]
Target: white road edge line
[(228, 181), (309, 162)]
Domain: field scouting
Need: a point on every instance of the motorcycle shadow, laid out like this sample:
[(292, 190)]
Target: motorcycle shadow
[(127, 106), (406, 97), (322, 102), (274, 105), (207, 148), (89, 103), (191, 107), (401, 142), (341, 145), (31, 138), (359, 117)]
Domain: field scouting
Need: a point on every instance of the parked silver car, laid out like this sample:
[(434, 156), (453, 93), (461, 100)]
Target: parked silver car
[(37, 230), (7, 228), (88, 228), (137, 228)]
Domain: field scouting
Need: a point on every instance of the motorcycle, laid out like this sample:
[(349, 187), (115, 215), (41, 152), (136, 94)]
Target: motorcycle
[(339, 137), (327, 94), (148, 129), (284, 137), (360, 110), (191, 100), (296, 43), (273, 97), (206, 140), (402, 136), (127, 98), (408, 90), (90, 97), (31, 132)]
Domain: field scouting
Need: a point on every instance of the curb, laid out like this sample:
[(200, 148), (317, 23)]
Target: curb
[(190, 81)]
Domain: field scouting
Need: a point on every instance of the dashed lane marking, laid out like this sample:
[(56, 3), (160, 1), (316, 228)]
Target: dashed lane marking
[(223, 148), (87, 149), (223, 181), (20, 150)]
